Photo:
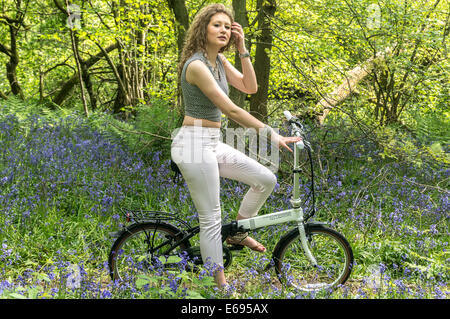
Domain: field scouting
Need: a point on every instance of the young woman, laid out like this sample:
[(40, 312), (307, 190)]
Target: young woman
[(204, 75)]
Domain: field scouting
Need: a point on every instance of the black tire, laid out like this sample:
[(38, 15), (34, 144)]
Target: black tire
[(331, 250), (143, 249)]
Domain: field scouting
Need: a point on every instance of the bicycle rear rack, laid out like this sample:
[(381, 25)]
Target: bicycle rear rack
[(140, 216)]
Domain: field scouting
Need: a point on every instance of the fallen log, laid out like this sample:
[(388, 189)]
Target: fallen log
[(347, 87)]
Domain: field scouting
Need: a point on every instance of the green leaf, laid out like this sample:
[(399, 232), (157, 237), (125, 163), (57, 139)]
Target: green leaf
[(170, 259), (143, 280)]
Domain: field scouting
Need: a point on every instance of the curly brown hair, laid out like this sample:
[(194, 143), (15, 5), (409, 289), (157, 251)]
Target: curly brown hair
[(195, 39)]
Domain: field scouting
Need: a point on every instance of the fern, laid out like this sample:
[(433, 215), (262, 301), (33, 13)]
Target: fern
[(434, 128), (148, 131)]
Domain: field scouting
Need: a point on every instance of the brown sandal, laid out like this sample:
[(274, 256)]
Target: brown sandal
[(239, 238)]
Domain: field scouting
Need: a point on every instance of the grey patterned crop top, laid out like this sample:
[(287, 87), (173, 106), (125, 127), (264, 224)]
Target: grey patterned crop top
[(197, 104)]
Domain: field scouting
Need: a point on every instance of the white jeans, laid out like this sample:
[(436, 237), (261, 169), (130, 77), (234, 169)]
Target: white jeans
[(202, 159)]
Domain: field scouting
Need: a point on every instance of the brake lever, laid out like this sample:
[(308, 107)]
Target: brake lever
[(297, 127)]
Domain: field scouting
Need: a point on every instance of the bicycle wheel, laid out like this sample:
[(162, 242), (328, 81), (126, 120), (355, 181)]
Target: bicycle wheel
[(331, 250), (144, 248)]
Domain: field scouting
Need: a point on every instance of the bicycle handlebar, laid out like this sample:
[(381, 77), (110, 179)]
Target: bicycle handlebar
[(288, 115), (297, 129)]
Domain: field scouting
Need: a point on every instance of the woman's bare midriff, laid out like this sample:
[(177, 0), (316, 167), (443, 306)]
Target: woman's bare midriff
[(192, 121)]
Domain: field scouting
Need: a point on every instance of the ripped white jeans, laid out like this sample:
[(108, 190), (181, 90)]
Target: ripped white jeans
[(202, 159)]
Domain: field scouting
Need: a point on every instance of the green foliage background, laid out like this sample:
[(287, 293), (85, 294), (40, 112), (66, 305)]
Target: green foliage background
[(382, 153)]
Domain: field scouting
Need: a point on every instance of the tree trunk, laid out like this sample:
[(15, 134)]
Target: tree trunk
[(59, 97), (180, 12), (78, 61), (258, 101), (14, 25), (80, 76), (82, 66), (121, 98), (131, 77), (182, 20), (11, 73), (240, 16)]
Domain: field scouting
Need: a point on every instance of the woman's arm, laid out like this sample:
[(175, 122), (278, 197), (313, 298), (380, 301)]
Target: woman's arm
[(245, 81), (197, 73)]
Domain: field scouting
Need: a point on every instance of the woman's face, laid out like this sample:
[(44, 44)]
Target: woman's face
[(218, 32)]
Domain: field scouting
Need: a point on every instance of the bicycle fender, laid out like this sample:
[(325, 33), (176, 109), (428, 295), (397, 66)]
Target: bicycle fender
[(129, 228), (315, 223)]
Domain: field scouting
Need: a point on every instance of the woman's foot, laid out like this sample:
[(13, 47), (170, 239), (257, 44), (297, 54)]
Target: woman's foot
[(246, 241), (220, 278)]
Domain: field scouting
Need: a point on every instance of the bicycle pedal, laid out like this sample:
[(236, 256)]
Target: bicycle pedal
[(236, 247)]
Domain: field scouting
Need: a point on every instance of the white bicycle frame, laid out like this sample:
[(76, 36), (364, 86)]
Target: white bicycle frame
[(290, 215)]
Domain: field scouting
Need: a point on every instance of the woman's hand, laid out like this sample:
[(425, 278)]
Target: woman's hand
[(238, 33), (283, 141)]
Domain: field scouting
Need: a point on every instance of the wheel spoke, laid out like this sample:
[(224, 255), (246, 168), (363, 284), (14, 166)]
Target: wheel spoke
[(333, 256), (144, 250)]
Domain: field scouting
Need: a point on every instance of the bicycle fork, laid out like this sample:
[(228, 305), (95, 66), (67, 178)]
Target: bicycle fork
[(304, 241), (285, 216)]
